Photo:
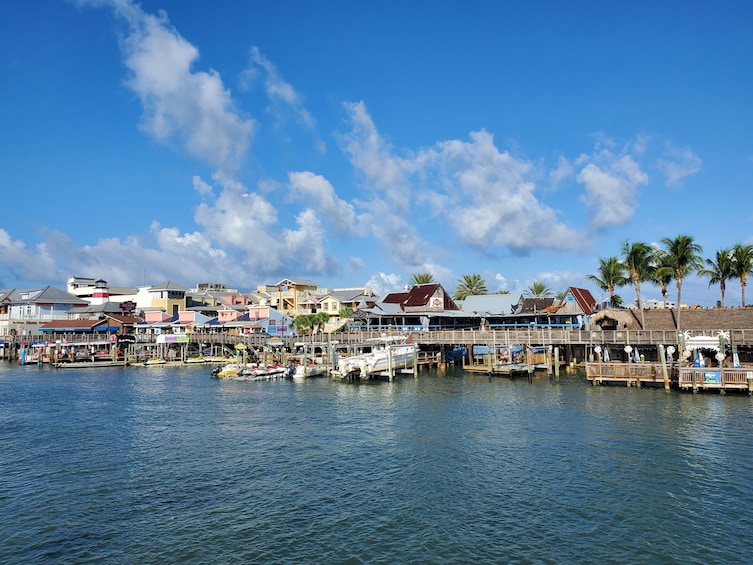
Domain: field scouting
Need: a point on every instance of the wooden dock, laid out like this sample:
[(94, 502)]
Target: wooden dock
[(631, 374), (695, 379), (720, 379)]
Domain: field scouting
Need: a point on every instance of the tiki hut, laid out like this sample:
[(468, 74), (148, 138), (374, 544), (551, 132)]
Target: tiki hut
[(614, 319)]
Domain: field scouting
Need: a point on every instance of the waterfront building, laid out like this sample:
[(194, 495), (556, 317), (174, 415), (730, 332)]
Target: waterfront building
[(24, 311)]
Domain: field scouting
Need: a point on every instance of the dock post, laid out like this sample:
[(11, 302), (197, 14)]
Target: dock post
[(664, 372), (750, 382), (415, 363), (390, 368), (557, 362)]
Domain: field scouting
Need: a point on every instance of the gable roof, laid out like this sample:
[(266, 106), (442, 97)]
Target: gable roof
[(491, 304), (46, 295), (584, 298), (534, 305), (168, 285), (419, 296), (395, 297), (295, 282)]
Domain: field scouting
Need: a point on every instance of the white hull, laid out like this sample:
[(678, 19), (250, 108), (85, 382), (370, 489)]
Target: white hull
[(378, 362)]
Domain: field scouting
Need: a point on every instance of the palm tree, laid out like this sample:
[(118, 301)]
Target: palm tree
[(319, 320), (663, 272), (537, 289), (469, 285), (638, 261), (742, 256), (302, 323), (683, 257), (421, 278), (611, 275), (719, 270)]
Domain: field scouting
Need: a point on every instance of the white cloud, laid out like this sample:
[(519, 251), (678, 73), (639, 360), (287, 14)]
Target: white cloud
[(203, 188), (284, 99), (193, 107), (611, 182), (317, 192), (387, 202), (384, 283), (489, 198), (501, 281), (677, 164), (563, 171)]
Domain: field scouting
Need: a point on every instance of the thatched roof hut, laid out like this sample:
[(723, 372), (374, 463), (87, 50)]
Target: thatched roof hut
[(614, 319)]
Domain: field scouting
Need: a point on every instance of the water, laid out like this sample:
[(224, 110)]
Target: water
[(160, 465)]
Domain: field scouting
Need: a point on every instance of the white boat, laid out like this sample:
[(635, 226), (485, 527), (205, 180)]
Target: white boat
[(388, 354), (303, 372)]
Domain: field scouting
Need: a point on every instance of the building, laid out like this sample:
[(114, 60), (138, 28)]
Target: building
[(24, 311)]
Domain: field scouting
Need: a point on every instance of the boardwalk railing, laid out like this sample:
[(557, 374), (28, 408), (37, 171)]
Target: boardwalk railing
[(534, 335), (716, 378)]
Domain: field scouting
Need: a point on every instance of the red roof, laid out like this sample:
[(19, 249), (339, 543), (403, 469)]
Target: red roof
[(395, 298), (584, 298), (419, 296)]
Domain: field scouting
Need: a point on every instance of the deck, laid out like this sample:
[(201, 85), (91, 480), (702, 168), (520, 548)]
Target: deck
[(716, 378), (630, 374)]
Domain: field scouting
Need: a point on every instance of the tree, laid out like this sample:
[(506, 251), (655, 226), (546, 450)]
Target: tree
[(611, 275), (663, 272), (319, 320), (719, 270), (537, 289), (421, 278), (302, 323), (637, 259), (742, 260), (683, 257), (469, 285)]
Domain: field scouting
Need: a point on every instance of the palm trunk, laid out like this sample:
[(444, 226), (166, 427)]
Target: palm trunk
[(679, 297), (722, 287), (640, 304), (743, 284)]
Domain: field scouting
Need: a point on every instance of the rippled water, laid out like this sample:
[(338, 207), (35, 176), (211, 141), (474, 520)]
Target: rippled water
[(160, 465)]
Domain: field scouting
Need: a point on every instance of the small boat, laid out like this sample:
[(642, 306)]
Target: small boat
[(152, 362), (387, 354)]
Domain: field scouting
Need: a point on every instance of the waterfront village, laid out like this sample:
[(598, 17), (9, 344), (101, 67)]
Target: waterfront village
[(492, 333)]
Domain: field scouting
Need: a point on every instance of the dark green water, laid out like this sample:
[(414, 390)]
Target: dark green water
[(170, 466)]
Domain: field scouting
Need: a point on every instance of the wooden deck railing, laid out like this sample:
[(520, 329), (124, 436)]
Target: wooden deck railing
[(716, 378)]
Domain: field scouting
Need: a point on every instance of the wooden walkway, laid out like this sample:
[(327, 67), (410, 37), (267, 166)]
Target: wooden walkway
[(718, 379)]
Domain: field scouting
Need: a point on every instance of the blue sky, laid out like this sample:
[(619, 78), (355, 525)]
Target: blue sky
[(357, 143)]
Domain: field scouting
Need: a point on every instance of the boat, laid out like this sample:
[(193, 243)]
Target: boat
[(388, 354), (153, 362), (303, 371)]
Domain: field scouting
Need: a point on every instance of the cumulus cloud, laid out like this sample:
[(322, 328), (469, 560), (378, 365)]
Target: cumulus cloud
[(500, 281), (193, 107), (200, 186), (387, 199), (611, 182), (678, 163), (316, 191), (489, 198), (283, 97), (384, 283), (564, 170)]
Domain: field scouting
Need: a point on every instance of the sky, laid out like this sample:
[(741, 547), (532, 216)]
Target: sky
[(359, 143)]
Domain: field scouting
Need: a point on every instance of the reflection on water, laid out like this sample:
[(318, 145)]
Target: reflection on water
[(169, 465)]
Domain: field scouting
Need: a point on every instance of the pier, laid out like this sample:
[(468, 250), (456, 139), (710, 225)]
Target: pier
[(634, 356)]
